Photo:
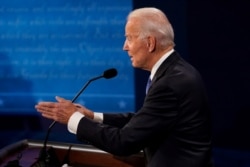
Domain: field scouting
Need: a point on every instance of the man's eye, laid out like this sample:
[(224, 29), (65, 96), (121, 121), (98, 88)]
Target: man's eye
[(129, 38)]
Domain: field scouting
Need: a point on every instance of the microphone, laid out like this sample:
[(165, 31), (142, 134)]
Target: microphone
[(110, 73), (43, 157)]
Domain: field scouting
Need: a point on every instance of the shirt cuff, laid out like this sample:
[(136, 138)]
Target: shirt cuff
[(74, 121), (98, 117)]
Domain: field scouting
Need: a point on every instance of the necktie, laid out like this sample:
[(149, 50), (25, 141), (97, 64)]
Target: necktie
[(148, 85)]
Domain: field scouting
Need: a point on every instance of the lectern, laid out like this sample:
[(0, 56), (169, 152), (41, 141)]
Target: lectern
[(26, 152)]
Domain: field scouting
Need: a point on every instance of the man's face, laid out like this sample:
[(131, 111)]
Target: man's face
[(135, 46)]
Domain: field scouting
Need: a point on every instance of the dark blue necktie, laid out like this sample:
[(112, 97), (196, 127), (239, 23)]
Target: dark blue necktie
[(148, 85)]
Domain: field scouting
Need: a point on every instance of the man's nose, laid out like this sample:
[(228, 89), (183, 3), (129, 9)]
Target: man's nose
[(125, 46)]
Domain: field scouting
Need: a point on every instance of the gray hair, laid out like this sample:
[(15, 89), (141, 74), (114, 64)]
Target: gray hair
[(154, 21)]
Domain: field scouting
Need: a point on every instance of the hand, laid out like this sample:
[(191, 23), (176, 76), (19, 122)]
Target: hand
[(59, 111)]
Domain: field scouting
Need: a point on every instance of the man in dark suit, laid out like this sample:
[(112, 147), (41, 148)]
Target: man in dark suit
[(173, 126)]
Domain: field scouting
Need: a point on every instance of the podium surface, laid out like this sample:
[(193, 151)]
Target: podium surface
[(26, 152)]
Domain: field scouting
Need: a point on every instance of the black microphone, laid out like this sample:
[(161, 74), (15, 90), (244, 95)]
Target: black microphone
[(43, 157), (110, 73)]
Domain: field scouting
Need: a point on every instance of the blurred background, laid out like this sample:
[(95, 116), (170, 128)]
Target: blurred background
[(50, 48)]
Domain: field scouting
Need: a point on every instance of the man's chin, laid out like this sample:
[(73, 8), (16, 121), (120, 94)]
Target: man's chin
[(134, 65)]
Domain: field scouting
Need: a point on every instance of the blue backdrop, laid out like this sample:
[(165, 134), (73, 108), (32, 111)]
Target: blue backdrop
[(50, 48)]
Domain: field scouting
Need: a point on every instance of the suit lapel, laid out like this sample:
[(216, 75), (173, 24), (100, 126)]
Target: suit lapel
[(166, 66)]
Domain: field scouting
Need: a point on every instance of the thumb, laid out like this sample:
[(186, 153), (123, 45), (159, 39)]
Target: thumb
[(60, 99)]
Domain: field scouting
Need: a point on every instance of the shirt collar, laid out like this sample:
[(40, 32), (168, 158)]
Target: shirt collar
[(159, 62)]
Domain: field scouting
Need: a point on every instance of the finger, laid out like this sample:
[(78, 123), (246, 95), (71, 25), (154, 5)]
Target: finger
[(48, 115), (78, 105), (46, 104), (61, 100), (42, 109), (46, 111)]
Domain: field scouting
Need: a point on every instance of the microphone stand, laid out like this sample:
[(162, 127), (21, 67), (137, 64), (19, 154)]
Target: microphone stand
[(49, 158), (43, 156)]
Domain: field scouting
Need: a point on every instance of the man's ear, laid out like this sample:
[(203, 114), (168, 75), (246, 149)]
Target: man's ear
[(151, 43)]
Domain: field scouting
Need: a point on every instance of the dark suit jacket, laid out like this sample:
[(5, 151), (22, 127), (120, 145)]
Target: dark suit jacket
[(172, 126)]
